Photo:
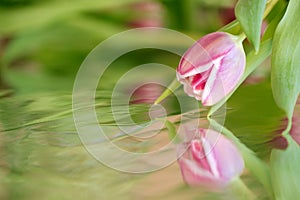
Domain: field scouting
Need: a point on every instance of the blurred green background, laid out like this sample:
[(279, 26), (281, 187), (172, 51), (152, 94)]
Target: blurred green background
[(43, 39), (42, 45)]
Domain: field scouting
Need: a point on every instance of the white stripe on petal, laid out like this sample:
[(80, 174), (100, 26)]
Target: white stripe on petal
[(211, 79), (208, 153), (197, 70), (194, 167)]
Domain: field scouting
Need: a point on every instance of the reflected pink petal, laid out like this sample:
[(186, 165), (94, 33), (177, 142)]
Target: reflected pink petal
[(209, 160)]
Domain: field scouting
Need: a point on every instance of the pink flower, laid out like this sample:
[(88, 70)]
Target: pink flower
[(147, 94), (141, 23), (210, 160), (212, 67), (146, 14)]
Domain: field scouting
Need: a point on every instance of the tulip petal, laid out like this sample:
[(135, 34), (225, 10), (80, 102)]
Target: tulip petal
[(224, 76), (199, 80), (226, 154), (199, 156), (217, 44), (210, 156), (196, 60), (193, 175), (209, 160), (189, 90), (212, 67)]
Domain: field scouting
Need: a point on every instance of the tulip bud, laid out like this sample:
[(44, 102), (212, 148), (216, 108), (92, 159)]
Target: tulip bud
[(209, 160), (212, 67), (147, 93)]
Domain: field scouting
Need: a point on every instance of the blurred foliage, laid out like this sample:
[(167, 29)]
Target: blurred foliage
[(255, 127), (16, 3), (54, 36)]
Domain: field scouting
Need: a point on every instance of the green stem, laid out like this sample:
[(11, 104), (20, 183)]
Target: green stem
[(256, 166), (241, 190), (171, 88), (241, 37), (232, 25)]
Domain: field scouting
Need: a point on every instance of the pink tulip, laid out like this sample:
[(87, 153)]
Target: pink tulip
[(147, 94), (210, 160), (212, 67)]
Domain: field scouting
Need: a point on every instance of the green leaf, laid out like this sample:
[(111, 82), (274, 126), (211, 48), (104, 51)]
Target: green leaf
[(285, 59), (233, 27), (285, 171), (250, 15)]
